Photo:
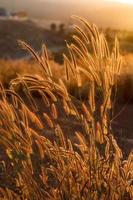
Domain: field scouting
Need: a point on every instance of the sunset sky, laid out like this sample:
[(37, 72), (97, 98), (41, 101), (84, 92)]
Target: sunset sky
[(76, 1), (98, 1), (121, 1), (105, 13)]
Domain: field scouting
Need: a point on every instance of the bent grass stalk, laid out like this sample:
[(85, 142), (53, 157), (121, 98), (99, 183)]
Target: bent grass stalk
[(87, 165)]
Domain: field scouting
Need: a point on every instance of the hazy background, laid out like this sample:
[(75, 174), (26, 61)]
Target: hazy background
[(105, 13), (49, 21)]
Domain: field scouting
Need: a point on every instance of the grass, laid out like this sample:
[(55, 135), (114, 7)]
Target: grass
[(42, 159), (10, 69)]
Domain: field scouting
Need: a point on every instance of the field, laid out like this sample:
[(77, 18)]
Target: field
[(63, 127)]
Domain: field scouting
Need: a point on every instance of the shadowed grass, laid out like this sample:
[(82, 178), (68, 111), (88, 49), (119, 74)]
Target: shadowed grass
[(86, 163)]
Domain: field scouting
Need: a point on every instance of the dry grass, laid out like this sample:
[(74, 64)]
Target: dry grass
[(10, 69), (88, 166)]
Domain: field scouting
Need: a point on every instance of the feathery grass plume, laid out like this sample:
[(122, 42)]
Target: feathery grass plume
[(106, 104), (73, 59), (67, 61), (86, 73), (73, 110), (82, 143), (85, 22), (81, 45), (33, 118), (81, 33), (63, 87), (45, 59), (45, 98), (48, 120), (54, 112), (87, 113), (25, 117), (65, 106), (67, 71), (14, 94), (92, 97), (60, 134), (27, 47), (36, 56), (99, 134), (70, 146), (29, 96), (51, 95), (2, 91), (74, 67), (78, 53), (7, 108)]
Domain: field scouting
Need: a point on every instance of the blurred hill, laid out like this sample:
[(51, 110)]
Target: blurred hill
[(103, 13), (35, 35), (13, 30)]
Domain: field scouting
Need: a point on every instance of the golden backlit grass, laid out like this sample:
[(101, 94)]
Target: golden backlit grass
[(10, 69), (87, 165)]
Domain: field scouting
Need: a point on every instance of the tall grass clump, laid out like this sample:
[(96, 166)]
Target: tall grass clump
[(40, 157)]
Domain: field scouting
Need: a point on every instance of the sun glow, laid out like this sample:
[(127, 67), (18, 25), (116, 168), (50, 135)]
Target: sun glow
[(123, 1)]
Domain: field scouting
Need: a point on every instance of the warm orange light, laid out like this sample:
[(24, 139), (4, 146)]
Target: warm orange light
[(123, 1)]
